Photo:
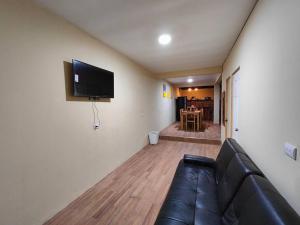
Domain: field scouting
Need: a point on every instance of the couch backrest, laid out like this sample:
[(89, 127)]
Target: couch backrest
[(258, 203), (229, 148), (237, 170)]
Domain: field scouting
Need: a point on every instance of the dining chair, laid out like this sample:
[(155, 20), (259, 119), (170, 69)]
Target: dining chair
[(182, 119), (201, 119), (191, 119)]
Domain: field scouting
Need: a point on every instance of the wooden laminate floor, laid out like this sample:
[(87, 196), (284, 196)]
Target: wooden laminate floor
[(133, 193)]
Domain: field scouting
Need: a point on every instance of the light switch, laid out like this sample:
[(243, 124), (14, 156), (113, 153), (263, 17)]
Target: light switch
[(290, 150), (76, 78)]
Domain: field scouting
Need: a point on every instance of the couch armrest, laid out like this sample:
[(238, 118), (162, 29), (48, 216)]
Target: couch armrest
[(199, 160)]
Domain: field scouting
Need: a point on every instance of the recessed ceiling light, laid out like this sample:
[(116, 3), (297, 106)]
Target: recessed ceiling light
[(189, 89), (196, 89), (190, 80), (165, 39)]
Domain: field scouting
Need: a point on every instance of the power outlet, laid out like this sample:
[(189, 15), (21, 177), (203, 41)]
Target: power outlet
[(290, 150), (96, 125)]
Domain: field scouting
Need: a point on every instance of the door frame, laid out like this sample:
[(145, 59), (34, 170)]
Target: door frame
[(228, 105), (231, 101), (220, 104), (227, 97)]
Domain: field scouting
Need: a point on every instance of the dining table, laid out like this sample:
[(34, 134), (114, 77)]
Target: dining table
[(184, 114)]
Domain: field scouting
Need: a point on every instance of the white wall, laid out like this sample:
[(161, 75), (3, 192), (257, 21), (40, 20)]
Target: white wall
[(49, 152), (268, 53)]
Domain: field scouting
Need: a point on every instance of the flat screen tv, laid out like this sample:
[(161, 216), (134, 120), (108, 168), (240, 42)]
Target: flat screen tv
[(91, 81)]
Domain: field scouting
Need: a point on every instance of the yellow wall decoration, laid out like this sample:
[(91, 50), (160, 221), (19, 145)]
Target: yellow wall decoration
[(166, 91)]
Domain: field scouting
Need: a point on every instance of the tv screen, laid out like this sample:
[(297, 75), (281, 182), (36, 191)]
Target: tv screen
[(91, 81)]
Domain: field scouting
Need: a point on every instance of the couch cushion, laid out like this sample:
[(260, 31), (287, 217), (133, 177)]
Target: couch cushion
[(259, 203), (206, 190), (168, 221), (236, 146), (207, 210), (238, 169), (205, 217), (227, 151), (191, 198), (199, 160), (179, 204)]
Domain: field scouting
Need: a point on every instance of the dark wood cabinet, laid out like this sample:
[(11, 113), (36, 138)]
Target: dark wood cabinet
[(206, 105)]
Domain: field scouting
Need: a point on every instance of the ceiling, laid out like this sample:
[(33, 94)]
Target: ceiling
[(203, 31), (202, 80)]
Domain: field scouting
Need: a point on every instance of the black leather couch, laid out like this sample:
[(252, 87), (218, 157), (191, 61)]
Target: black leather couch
[(230, 190)]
